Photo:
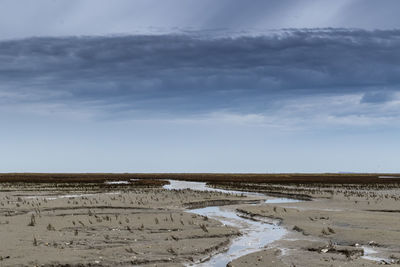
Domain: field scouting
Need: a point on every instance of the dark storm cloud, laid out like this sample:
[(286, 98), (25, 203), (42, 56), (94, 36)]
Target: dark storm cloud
[(191, 74)]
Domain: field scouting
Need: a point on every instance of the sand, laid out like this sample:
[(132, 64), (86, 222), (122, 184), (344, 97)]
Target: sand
[(135, 227), (44, 225), (330, 229)]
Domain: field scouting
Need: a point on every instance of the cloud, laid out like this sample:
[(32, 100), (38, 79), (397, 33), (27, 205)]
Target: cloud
[(101, 17), (156, 76), (378, 97)]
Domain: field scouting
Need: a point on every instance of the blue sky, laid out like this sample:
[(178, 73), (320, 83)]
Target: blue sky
[(199, 86)]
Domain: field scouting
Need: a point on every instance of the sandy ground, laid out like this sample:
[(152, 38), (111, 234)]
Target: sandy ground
[(146, 227), (335, 229), (42, 225)]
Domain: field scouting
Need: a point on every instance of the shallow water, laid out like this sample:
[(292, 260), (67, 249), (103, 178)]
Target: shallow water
[(369, 255), (116, 182), (201, 186), (256, 234), (281, 200), (388, 177)]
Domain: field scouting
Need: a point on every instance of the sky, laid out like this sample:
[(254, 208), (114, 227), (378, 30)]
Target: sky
[(199, 86)]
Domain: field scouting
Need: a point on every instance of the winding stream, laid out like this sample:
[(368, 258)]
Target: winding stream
[(256, 234)]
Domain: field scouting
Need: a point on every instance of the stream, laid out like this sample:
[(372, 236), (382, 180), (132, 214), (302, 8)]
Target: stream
[(255, 234)]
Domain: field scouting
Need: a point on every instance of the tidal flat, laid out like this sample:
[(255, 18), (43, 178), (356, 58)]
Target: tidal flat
[(159, 222)]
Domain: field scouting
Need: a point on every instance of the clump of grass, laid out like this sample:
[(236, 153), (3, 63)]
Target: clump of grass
[(204, 228), (324, 232), (33, 221), (331, 230), (297, 229), (50, 227)]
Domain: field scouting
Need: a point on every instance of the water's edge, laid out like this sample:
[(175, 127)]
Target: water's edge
[(255, 234)]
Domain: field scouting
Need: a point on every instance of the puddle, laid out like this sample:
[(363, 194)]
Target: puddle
[(116, 182), (369, 255), (281, 200)]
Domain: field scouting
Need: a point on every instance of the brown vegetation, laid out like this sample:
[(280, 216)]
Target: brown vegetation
[(325, 178)]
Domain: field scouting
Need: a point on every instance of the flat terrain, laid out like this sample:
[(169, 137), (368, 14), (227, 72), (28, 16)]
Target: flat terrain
[(325, 178), (97, 220), (44, 225), (340, 223)]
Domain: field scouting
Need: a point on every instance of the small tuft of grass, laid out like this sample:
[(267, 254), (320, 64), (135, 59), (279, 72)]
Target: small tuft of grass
[(33, 220), (204, 228), (50, 227)]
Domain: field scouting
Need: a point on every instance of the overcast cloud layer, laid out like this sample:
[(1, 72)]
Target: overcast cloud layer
[(20, 18), (282, 74), (199, 86)]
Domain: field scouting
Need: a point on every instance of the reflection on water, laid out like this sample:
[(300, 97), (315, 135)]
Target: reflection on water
[(256, 234), (281, 200), (200, 186), (116, 182), (368, 255)]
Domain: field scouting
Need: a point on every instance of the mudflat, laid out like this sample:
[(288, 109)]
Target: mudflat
[(137, 222), (339, 225), (45, 225)]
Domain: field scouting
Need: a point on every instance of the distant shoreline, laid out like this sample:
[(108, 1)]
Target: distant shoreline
[(301, 178)]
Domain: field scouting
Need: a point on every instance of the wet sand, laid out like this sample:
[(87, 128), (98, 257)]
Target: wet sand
[(356, 226), (44, 225), (144, 226)]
